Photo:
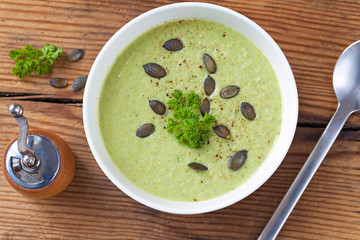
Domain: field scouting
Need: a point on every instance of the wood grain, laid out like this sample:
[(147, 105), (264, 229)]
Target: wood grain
[(312, 34)]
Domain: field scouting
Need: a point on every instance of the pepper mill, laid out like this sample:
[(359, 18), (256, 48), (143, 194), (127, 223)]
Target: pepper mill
[(37, 163)]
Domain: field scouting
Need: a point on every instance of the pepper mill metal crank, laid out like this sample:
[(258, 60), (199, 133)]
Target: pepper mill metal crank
[(37, 163)]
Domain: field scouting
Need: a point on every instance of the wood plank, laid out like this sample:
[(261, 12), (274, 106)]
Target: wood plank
[(312, 36), (96, 209)]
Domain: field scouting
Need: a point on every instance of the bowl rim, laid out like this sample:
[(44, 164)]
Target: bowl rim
[(186, 207)]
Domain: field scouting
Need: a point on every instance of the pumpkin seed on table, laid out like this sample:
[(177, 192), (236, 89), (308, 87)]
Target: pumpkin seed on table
[(237, 160), (205, 106), (79, 83), (247, 111), (209, 63), (173, 45), (74, 55), (145, 130), (209, 85), (58, 82), (157, 106), (154, 70), (222, 131), (197, 166), (229, 91)]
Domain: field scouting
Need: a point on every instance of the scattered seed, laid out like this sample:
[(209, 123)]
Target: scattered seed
[(157, 106), (58, 82), (79, 83), (237, 160), (197, 166), (145, 130), (247, 111), (209, 85), (222, 131), (173, 45), (229, 91), (154, 70), (205, 106), (74, 55), (209, 63)]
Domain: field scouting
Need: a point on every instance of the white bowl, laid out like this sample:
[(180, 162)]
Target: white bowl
[(139, 25)]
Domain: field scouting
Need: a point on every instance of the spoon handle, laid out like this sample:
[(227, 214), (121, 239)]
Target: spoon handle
[(306, 173)]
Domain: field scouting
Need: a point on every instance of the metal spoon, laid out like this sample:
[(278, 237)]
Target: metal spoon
[(346, 81)]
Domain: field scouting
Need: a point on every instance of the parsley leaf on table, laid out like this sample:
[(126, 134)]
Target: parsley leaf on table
[(30, 59), (188, 126)]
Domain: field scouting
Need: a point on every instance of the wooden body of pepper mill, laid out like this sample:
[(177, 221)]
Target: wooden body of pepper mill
[(37, 163)]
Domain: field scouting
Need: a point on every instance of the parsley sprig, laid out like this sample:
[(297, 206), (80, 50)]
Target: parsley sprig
[(30, 59), (188, 127)]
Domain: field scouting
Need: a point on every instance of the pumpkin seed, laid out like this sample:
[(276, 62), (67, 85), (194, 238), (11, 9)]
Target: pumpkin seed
[(173, 45), (205, 106), (145, 130), (157, 106), (58, 82), (247, 111), (209, 85), (197, 166), (79, 83), (222, 131), (154, 70), (237, 160), (229, 91), (209, 63), (74, 55)]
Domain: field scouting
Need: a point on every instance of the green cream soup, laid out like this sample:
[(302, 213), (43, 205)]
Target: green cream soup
[(158, 163)]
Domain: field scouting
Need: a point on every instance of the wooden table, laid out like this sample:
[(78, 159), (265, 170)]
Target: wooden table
[(312, 35)]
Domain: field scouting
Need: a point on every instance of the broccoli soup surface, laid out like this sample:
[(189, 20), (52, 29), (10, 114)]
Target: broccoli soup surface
[(152, 157)]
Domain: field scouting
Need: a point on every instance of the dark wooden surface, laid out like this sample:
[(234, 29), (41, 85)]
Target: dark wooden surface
[(312, 35)]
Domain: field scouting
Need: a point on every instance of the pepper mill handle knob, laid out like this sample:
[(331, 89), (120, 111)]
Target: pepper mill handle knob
[(16, 110), (37, 163)]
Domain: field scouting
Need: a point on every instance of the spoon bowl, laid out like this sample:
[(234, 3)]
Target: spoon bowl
[(346, 77)]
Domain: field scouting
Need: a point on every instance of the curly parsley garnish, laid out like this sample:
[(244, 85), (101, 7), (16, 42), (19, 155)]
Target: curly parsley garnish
[(187, 125), (30, 59)]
